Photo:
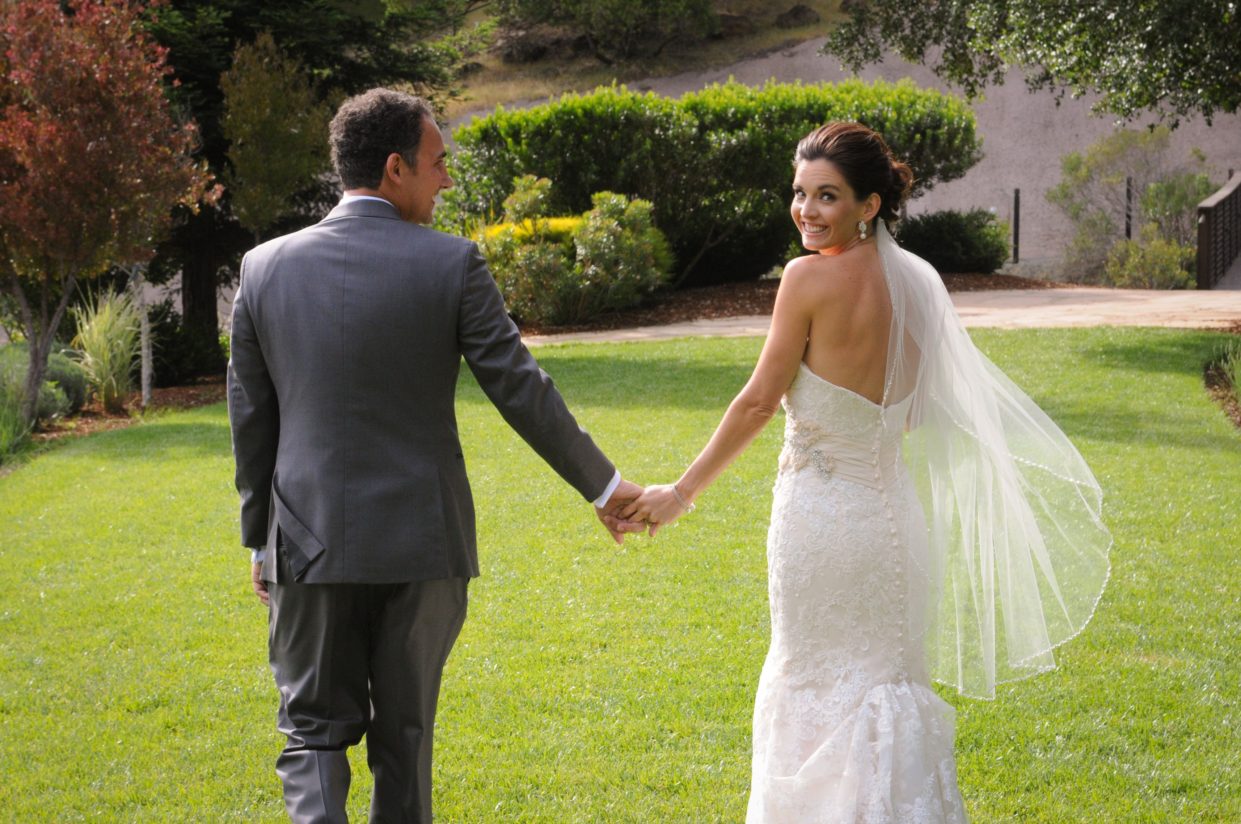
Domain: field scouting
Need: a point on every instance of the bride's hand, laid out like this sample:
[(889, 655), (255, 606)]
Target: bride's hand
[(657, 506)]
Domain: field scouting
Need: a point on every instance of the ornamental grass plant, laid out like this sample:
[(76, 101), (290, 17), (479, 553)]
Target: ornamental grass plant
[(108, 340)]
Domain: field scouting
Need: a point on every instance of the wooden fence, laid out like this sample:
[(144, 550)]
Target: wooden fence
[(1219, 233)]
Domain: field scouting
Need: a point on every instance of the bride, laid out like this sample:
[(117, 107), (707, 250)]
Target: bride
[(928, 522)]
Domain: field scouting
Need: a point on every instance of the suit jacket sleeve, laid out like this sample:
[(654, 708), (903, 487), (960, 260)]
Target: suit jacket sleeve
[(522, 391), (254, 416)]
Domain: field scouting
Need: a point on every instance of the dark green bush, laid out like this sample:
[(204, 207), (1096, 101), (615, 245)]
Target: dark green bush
[(558, 270), (716, 164), (52, 404), (180, 354), (64, 387), (957, 242), (70, 378)]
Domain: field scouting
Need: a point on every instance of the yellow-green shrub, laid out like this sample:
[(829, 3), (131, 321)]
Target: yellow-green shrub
[(1150, 263), (561, 270)]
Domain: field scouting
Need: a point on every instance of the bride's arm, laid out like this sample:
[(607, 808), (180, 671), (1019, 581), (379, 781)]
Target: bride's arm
[(754, 405)]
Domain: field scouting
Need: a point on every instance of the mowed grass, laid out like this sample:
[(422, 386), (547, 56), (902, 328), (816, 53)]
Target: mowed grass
[(603, 684)]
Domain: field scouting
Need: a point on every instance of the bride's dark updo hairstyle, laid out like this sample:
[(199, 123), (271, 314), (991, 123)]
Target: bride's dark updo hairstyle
[(865, 161)]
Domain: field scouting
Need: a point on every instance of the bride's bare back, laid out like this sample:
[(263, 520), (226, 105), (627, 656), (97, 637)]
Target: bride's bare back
[(851, 316)]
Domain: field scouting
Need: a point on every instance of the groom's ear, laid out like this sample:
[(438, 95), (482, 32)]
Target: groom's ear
[(394, 167)]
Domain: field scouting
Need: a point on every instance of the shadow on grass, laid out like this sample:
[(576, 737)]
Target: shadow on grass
[(1176, 353), (1134, 427)]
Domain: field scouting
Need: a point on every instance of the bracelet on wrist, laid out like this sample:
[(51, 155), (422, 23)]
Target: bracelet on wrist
[(688, 507)]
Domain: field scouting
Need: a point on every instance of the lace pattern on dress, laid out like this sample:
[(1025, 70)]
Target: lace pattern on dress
[(846, 727)]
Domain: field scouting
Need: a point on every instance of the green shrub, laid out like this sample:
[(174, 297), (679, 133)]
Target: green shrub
[(1150, 263), (1092, 193), (530, 198), (13, 429), (716, 164), (68, 376), (1172, 203), (558, 270), (180, 354), (957, 242), (53, 403), (621, 256), (107, 338), (64, 388)]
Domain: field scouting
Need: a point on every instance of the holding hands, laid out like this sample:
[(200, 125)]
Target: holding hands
[(610, 513), (656, 506)]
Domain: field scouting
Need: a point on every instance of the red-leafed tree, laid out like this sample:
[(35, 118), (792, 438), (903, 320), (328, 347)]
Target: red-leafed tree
[(91, 159)]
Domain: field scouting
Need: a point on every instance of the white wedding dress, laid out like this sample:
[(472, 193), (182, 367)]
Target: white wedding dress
[(950, 532), (846, 726)]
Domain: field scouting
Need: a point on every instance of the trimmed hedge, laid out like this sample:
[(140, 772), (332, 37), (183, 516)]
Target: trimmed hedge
[(972, 242), (716, 164)]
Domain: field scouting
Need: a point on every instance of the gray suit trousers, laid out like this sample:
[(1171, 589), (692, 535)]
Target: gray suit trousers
[(353, 660)]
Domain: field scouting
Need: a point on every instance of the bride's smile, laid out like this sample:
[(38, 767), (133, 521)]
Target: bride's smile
[(825, 209)]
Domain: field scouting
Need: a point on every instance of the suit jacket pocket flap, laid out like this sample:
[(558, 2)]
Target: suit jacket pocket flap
[(302, 546)]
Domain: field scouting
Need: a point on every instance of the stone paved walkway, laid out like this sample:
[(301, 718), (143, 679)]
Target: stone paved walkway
[(1003, 309)]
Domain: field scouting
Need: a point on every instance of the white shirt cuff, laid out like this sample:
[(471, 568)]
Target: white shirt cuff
[(257, 555), (607, 493)]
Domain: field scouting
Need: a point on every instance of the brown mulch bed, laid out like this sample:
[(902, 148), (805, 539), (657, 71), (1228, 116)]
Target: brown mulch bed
[(750, 298), (94, 418)]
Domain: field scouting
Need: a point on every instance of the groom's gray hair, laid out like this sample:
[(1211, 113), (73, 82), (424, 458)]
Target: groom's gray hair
[(371, 126)]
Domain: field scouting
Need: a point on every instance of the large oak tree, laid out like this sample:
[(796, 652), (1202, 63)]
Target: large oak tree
[(1175, 58)]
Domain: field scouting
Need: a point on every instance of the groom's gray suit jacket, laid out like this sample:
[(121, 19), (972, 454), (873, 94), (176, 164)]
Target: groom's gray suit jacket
[(347, 341)]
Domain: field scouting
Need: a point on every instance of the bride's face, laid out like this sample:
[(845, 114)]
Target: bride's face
[(824, 207)]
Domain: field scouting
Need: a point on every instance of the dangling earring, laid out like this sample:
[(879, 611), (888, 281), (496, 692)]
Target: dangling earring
[(861, 229)]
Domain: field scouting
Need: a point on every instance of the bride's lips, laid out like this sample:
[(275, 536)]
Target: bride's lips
[(812, 229)]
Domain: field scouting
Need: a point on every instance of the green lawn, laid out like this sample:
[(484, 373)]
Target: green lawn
[(595, 684)]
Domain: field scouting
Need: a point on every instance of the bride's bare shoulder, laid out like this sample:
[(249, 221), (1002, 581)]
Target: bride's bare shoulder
[(821, 273), (809, 267)]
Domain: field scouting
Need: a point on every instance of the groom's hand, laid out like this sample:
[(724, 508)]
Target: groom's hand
[(260, 586), (609, 514)]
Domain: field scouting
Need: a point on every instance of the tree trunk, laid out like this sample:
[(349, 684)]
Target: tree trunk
[(40, 331), (198, 295), (34, 379)]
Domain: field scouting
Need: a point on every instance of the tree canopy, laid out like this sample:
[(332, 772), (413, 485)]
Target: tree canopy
[(343, 47), (276, 127), (91, 160), (1175, 58)]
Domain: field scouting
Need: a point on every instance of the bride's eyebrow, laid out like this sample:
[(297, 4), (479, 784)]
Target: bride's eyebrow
[(822, 187)]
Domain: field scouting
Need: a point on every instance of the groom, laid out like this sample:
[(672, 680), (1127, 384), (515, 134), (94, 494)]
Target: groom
[(346, 344)]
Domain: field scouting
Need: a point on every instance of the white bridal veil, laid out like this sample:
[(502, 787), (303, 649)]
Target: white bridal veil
[(1018, 554)]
